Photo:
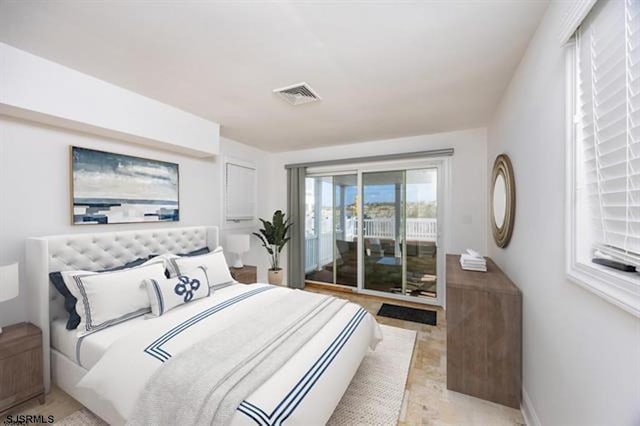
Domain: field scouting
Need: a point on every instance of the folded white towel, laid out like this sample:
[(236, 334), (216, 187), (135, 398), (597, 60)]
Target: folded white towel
[(467, 268), (474, 253), (480, 267), (474, 267), (472, 259)]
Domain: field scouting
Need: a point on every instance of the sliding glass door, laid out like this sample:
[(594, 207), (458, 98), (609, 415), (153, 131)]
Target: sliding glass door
[(383, 229), (421, 230), (400, 232), (376, 230), (330, 240), (345, 255)]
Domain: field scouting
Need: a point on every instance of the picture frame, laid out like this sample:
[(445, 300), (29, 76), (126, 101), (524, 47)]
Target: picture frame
[(114, 188)]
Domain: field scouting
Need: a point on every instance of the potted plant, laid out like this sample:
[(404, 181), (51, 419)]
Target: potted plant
[(274, 237)]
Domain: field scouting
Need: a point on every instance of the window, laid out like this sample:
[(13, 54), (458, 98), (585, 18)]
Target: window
[(240, 191), (605, 153)]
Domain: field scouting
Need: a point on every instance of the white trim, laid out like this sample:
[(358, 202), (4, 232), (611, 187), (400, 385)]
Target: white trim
[(574, 17), (528, 411), (613, 287)]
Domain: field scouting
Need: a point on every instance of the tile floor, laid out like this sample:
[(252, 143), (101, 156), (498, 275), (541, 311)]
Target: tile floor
[(427, 400)]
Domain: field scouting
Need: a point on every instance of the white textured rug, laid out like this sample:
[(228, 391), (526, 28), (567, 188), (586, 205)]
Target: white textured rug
[(374, 397)]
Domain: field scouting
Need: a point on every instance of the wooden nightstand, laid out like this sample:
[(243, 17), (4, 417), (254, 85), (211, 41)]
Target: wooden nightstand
[(246, 275), (21, 377)]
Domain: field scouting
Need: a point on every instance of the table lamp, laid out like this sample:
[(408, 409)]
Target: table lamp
[(238, 244), (9, 283)]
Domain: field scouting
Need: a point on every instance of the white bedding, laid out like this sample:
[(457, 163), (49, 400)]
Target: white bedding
[(87, 350), (133, 355)]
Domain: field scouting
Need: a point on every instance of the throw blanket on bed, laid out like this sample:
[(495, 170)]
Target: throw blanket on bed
[(206, 384)]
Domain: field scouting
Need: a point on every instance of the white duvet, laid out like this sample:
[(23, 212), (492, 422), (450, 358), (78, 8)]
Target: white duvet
[(122, 373)]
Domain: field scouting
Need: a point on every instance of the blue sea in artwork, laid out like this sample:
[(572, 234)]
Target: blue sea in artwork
[(114, 188)]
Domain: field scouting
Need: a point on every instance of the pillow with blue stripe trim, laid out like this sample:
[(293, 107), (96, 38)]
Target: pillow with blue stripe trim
[(166, 294), (70, 301), (109, 298)]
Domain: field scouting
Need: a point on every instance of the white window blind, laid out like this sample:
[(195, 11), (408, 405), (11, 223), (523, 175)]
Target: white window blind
[(240, 192), (608, 128)]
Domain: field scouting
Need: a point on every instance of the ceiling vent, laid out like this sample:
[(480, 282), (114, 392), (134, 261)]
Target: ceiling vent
[(298, 94)]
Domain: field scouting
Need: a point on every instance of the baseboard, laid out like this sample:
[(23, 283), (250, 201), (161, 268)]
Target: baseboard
[(528, 411)]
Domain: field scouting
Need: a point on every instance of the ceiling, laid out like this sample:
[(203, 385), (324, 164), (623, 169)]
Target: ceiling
[(383, 69)]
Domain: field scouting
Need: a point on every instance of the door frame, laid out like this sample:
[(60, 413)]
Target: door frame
[(443, 166)]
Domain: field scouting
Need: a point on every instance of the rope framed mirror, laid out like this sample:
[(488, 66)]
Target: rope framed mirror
[(503, 200)]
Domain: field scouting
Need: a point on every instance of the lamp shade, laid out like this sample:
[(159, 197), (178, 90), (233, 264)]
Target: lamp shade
[(9, 282), (238, 243)]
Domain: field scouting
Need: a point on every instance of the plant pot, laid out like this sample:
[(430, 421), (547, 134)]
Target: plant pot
[(275, 276)]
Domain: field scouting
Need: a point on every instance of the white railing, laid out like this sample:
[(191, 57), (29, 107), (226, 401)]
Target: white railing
[(417, 229), (422, 229), (320, 252)]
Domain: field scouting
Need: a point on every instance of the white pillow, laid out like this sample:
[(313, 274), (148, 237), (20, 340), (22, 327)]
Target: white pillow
[(217, 268), (168, 293), (108, 298)]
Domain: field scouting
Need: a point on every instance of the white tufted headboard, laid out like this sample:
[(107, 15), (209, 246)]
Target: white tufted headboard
[(95, 252)]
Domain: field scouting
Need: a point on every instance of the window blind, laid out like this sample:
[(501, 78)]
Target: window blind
[(240, 192), (608, 126)]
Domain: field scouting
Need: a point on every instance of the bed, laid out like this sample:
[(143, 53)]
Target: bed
[(109, 370)]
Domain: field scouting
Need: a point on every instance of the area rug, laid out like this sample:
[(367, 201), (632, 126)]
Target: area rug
[(374, 397)]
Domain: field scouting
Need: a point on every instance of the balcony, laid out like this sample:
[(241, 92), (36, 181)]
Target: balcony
[(319, 248)]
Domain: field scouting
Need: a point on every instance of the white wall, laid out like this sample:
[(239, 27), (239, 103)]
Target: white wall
[(466, 224), (36, 89), (35, 193), (581, 354)]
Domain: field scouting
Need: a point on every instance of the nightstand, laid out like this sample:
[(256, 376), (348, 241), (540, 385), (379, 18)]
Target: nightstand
[(21, 376), (246, 275)]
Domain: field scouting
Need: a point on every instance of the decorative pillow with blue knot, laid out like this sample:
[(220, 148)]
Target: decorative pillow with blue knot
[(168, 293)]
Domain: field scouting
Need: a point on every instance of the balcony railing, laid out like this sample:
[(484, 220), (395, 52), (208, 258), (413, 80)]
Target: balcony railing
[(417, 229), (319, 248), (318, 251)]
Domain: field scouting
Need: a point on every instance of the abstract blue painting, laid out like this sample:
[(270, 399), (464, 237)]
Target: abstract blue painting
[(116, 188)]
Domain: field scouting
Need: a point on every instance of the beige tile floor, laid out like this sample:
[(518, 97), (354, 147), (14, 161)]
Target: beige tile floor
[(427, 400)]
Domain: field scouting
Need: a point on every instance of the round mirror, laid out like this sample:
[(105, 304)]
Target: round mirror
[(499, 200), (503, 200)]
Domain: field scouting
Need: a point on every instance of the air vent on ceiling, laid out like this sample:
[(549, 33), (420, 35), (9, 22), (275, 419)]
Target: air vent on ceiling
[(297, 94)]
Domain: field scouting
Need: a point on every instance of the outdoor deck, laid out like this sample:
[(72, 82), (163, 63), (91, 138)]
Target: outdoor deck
[(382, 257)]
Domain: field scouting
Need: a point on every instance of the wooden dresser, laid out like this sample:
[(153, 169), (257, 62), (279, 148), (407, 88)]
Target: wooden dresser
[(21, 376), (246, 275), (484, 333)]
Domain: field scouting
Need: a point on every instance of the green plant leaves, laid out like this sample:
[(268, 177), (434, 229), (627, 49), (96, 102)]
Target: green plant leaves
[(274, 236)]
